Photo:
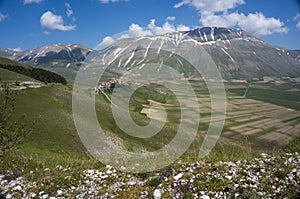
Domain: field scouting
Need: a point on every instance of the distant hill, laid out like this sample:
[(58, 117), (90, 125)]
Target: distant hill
[(35, 73), (64, 59)]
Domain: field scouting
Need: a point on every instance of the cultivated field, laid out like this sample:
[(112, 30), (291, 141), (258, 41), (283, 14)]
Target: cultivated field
[(263, 124)]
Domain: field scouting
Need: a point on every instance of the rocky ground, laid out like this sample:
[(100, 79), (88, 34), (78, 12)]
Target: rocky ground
[(263, 177)]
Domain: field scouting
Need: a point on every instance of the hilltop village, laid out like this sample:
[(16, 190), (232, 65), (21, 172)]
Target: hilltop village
[(107, 86)]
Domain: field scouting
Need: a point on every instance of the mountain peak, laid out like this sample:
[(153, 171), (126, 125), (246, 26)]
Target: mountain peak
[(214, 34)]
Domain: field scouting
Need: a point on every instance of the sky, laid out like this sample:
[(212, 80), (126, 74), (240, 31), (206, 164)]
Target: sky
[(27, 24)]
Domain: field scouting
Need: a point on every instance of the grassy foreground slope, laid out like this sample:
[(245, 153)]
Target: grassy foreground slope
[(49, 107), (54, 139), (54, 157)]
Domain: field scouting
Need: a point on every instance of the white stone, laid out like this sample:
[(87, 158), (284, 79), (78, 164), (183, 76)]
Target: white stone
[(178, 176), (157, 194), (45, 196), (131, 183), (59, 192), (109, 172), (264, 155), (205, 197), (8, 196), (17, 188)]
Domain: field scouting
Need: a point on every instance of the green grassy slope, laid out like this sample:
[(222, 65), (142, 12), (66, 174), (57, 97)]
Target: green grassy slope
[(36, 73), (6, 75), (54, 135)]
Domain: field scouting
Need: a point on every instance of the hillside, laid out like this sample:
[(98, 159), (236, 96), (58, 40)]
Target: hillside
[(35, 73), (53, 152), (255, 156), (236, 53)]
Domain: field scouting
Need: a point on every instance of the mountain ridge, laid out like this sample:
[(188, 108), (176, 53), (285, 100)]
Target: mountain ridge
[(237, 54)]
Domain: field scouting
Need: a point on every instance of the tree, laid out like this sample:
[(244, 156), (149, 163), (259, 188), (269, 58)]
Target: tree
[(11, 133)]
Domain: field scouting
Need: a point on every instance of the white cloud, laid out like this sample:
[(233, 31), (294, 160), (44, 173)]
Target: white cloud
[(110, 1), (54, 22), (18, 49), (258, 24), (135, 31), (170, 18), (31, 1), (218, 13), (215, 20), (255, 23), (298, 25), (105, 42), (157, 30), (46, 32), (3, 17), (69, 12), (211, 6), (297, 17), (182, 27)]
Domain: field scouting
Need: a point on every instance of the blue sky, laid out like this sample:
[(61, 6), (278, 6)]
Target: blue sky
[(26, 24)]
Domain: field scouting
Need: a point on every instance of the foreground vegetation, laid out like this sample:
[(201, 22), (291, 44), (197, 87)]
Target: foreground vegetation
[(52, 162)]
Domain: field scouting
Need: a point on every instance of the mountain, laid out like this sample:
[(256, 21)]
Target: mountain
[(53, 55), (237, 54), (60, 58), (295, 54)]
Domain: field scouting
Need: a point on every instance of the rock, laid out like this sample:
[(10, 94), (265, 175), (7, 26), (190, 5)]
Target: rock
[(178, 176), (59, 192), (263, 155), (45, 196), (157, 194), (205, 197), (17, 188), (109, 172), (131, 183), (8, 196)]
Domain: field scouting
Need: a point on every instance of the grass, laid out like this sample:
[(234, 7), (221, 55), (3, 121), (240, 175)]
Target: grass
[(256, 135), (295, 121), (54, 140), (50, 108), (290, 99)]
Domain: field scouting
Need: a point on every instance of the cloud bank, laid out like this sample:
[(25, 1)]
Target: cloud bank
[(219, 13), (31, 1), (135, 31)]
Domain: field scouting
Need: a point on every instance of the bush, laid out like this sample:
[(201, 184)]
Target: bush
[(10, 132)]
